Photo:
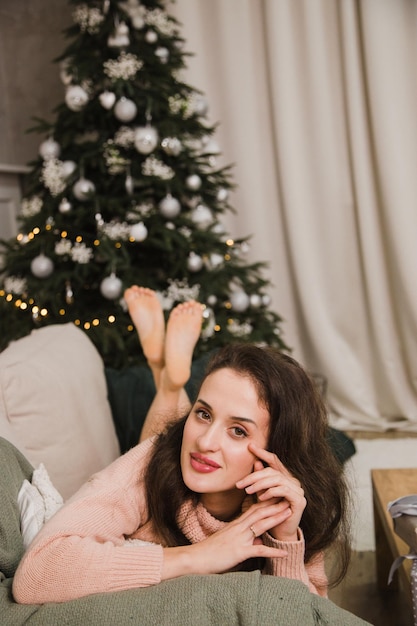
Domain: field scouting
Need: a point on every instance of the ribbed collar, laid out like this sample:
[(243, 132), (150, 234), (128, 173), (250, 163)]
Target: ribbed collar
[(197, 523)]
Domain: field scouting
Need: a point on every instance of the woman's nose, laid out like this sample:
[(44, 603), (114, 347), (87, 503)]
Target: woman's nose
[(209, 440)]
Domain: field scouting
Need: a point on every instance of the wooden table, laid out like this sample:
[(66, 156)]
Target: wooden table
[(388, 485)]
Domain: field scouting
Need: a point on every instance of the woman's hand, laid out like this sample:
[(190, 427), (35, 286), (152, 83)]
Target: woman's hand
[(226, 548), (275, 484)]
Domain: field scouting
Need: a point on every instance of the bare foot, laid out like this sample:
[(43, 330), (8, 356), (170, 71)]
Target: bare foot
[(182, 333), (148, 318)]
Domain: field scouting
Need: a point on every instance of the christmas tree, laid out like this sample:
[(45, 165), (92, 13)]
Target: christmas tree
[(127, 189)]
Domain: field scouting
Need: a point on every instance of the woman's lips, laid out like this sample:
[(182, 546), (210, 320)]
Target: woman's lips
[(202, 464)]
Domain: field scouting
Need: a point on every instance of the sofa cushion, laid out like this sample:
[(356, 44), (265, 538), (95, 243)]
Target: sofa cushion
[(54, 406)]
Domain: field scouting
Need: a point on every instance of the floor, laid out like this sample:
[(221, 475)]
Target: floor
[(359, 592)]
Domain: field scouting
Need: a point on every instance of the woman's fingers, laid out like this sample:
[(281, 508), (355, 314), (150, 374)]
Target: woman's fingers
[(264, 515), (260, 510), (273, 484), (269, 457), (268, 479), (258, 465), (275, 474)]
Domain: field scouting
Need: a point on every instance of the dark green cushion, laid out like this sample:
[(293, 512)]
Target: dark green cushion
[(342, 445)]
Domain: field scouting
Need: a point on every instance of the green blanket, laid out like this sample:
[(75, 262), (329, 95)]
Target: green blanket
[(244, 598)]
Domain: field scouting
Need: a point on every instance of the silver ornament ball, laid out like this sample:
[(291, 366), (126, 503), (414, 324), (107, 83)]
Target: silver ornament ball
[(76, 98), (193, 182), (151, 36), (194, 262), (120, 38), (68, 168), (169, 206), (111, 287), (65, 206), (216, 259), (137, 20), (49, 149), (146, 139), (201, 105), (171, 145), (219, 228), (244, 247), (83, 189), (125, 110), (138, 231), (239, 301), (122, 29), (162, 54), (202, 216), (211, 146), (255, 300), (222, 194), (41, 266), (209, 323), (212, 300)]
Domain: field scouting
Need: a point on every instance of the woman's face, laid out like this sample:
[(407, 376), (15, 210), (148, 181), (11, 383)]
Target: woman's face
[(226, 417)]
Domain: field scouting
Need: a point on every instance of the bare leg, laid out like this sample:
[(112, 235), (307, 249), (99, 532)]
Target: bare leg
[(148, 318), (171, 400)]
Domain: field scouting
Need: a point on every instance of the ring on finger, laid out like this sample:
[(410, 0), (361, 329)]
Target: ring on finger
[(251, 528)]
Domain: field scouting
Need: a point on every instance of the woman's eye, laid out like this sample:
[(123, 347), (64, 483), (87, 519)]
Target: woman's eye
[(202, 414), (239, 432)]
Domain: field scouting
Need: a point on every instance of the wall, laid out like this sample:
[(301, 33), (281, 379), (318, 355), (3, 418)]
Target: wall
[(30, 38)]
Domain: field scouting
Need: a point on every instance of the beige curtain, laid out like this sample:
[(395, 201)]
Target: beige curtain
[(317, 104)]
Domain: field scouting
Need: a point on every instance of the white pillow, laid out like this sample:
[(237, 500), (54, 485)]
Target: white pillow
[(54, 406), (37, 502), (31, 509)]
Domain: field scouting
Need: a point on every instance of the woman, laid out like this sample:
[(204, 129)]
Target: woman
[(244, 480)]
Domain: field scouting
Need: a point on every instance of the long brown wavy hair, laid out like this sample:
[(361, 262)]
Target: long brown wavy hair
[(297, 435)]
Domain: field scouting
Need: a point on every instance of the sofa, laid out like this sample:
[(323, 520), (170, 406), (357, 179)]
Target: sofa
[(62, 410)]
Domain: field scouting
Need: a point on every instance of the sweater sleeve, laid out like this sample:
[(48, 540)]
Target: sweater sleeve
[(82, 549), (311, 574)]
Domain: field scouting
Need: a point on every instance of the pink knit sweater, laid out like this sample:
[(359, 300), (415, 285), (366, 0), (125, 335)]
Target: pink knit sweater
[(87, 546)]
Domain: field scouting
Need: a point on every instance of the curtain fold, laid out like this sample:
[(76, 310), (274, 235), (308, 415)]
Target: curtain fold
[(317, 104)]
